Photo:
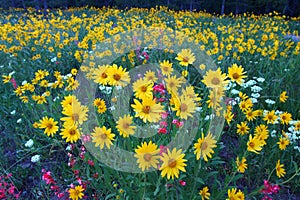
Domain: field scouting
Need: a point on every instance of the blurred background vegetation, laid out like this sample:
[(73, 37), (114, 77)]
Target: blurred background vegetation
[(286, 7)]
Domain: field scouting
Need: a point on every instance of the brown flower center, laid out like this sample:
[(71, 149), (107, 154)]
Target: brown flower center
[(146, 109), (215, 81), (103, 136), (143, 88), (72, 132), (147, 157), (235, 75), (126, 125), (49, 126), (204, 146), (104, 75), (251, 144), (172, 163), (183, 107), (117, 77), (185, 59), (75, 117)]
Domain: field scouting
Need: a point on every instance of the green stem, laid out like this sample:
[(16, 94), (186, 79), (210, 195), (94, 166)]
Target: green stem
[(199, 167), (296, 174)]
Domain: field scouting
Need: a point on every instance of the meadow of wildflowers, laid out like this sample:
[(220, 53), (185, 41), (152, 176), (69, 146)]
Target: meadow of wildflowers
[(149, 104)]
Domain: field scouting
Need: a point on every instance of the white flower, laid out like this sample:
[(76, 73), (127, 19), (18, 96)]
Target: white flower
[(270, 102), (12, 73), (234, 91), (19, 121), (118, 87), (13, 112), (29, 143), (112, 108), (198, 109), (254, 100), (53, 59), (255, 95), (102, 87), (256, 88), (260, 79), (278, 112), (273, 133), (251, 82), (24, 82), (35, 158)]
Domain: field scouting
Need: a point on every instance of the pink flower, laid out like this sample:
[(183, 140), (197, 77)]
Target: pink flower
[(181, 182), (163, 123), (162, 149), (162, 131), (160, 89), (13, 81), (86, 138), (164, 115), (48, 178), (91, 163)]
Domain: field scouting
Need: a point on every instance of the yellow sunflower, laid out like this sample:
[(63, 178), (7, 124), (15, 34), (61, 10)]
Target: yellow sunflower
[(118, 76), (285, 118), (215, 79), (283, 97), (173, 162), (204, 193), (70, 133), (280, 171), (204, 147), (76, 193), (242, 128), (143, 88), (283, 142), (100, 75), (185, 57), (166, 68), (49, 125), (173, 83), (102, 136), (124, 126), (184, 107), (150, 76), (148, 110), (75, 114), (254, 144), (270, 117), (241, 164), (147, 155), (236, 73)]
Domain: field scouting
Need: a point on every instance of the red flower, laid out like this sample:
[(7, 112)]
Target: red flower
[(181, 182), (162, 131)]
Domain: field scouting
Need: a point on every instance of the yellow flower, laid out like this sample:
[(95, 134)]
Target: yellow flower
[(6, 79), (245, 105), (49, 125), (283, 142), (173, 162), (204, 147), (166, 68), (189, 92), (233, 194), (236, 73), (100, 75), (297, 126), (215, 79), (204, 193), (280, 171), (117, 76), (75, 114), (242, 128), (241, 164), (71, 133), (100, 104), (76, 193), (285, 118), (283, 97), (173, 83), (124, 126), (184, 73), (102, 136), (147, 155), (184, 107), (143, 88), (254, 144), (150, 76), (148, 110), (185, 57), (270, 117), (251, 115)]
